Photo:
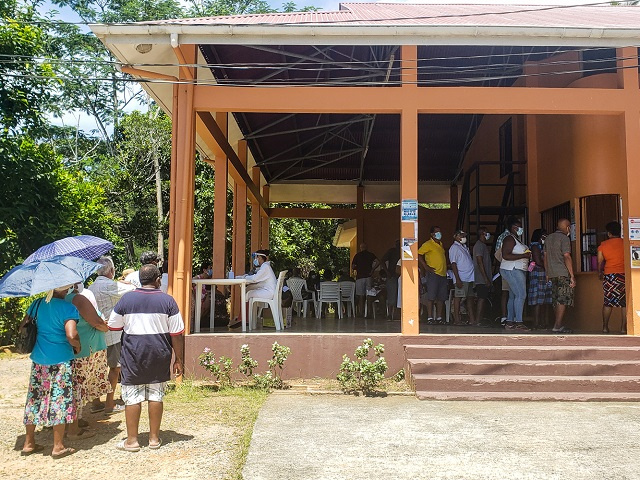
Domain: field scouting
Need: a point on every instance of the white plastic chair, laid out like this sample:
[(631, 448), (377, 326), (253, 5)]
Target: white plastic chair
[(329, 293), (296, 285), (274, 303), (348, 296)]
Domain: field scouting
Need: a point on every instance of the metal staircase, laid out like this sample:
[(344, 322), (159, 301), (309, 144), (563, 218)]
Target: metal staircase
[(480, 197)]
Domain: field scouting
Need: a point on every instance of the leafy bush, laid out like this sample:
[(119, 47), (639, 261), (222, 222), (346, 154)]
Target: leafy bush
[(12, 312), (273, 378), (247, 364), (361, 374), (220, 369)]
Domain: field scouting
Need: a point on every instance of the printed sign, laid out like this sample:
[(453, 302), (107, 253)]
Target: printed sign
[(634, 228), (409, 209), (407, 254), (635, 256)]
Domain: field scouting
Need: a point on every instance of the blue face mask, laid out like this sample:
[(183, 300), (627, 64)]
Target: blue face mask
[(520, 231), (210, 272), (255, 262), (437, 236)]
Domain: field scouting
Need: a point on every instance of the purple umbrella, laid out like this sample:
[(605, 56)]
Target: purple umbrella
[(82, 246)]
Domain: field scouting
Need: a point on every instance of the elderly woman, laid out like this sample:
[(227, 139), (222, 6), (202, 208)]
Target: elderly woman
[(50, 399), (260, 284), (90, 369)]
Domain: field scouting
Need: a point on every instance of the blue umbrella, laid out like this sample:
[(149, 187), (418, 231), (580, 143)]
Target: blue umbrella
[(37, 277), (83, 246)]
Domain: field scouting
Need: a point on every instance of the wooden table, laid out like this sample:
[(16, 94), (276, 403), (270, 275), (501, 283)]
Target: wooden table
[(201, 282)]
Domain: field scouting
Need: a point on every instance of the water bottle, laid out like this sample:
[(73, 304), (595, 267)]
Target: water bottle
[(532, 265), (231, 275)]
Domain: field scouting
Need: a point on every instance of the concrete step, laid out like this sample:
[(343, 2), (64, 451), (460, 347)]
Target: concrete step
[(531, 396), (520, 383), (527, 339), (524, 367), (526, 352)]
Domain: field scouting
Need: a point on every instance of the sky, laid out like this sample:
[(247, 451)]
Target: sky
[(88, 124)]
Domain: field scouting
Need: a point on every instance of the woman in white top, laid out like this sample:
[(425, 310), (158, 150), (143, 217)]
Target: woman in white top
[(513, 268), (260, 284)]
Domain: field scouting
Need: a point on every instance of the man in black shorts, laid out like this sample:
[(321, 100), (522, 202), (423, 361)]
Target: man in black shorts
[(482, 272)]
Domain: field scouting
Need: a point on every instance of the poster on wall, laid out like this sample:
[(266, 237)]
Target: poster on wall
[(409, 211), (407, 254), (634, 228), (635, 256)]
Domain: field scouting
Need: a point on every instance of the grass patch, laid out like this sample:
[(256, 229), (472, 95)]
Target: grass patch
[(236, 408)]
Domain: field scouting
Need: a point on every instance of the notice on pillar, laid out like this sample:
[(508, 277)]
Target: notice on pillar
[(409, 211), (635, 256), (634, 228), (407, 254)]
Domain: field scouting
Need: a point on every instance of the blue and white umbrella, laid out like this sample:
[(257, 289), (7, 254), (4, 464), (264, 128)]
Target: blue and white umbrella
[(83, 246), (44, 275)]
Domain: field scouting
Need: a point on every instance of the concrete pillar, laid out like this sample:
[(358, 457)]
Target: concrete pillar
[(359, 217), (239, 235), (220, 206), (409, 191), (256, 220)]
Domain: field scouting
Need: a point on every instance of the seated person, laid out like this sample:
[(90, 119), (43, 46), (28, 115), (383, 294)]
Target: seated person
[(206, 272), (295, 274), (260, 284), (344, 275), (327, 275), (377, 291), (313, 281)]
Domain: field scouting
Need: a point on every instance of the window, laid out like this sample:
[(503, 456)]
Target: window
[(595, 212), (506, 148), (549, 218)]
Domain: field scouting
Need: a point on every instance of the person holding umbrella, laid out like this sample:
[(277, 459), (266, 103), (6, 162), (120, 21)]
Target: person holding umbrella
[(50, 400)]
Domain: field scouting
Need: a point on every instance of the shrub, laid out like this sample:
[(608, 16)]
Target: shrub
[(361, 374), (273, 378), (12, 312), (247, 364), (220, 369)]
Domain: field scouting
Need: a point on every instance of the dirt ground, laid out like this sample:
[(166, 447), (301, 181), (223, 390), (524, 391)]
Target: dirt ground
[(204, 436)]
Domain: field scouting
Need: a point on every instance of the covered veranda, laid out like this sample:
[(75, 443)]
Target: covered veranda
[(378, 104)]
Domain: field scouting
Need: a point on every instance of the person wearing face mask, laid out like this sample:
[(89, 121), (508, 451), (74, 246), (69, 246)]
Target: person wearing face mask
[(463, 275), (539, 287), (558, 265), (482, 270), (260, 284), (513, 267), (432, 260)]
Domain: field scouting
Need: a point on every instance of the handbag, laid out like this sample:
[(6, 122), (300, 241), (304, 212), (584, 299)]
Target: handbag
[(28, 332)]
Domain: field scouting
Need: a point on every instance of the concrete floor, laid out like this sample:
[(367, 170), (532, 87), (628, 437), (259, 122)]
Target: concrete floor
[(327, 437)]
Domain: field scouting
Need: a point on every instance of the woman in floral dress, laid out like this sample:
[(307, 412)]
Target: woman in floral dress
[(50, 400), (90, 369)]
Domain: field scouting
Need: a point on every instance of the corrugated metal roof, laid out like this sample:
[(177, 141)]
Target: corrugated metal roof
[(568, 16)]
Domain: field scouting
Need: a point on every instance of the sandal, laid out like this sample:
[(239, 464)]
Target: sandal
[(64, 453), (123, 447), (117, 408), (36, 448), (562, 330), (156, 446), (521, 326)]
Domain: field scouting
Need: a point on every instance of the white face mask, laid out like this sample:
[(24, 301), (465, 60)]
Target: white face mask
[(255, 262), (487, 236), (463, 240), (520, 231)]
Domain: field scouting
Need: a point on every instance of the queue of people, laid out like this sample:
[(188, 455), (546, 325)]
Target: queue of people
[(86, 339)]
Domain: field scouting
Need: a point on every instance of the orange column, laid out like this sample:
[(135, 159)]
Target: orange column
[(264, 243), (628, 79), (182, 191), (359, 217), (239, 232), (409, 191), (220, 207), (256, 217)]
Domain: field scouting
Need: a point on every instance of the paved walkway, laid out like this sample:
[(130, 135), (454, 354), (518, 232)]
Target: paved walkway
[(333, 437)]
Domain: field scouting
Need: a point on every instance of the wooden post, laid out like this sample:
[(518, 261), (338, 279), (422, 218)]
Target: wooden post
[(239, 232), (256, 217), (359, 217), (409, 191), (182, 191), (628, 79), (264, 243), (220, 207)]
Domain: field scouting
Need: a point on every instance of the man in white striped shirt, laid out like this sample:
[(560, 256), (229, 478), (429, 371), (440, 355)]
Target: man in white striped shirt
[(107, 292)]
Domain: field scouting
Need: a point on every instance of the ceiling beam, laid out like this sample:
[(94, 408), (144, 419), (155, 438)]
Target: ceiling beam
[(312, 213)]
